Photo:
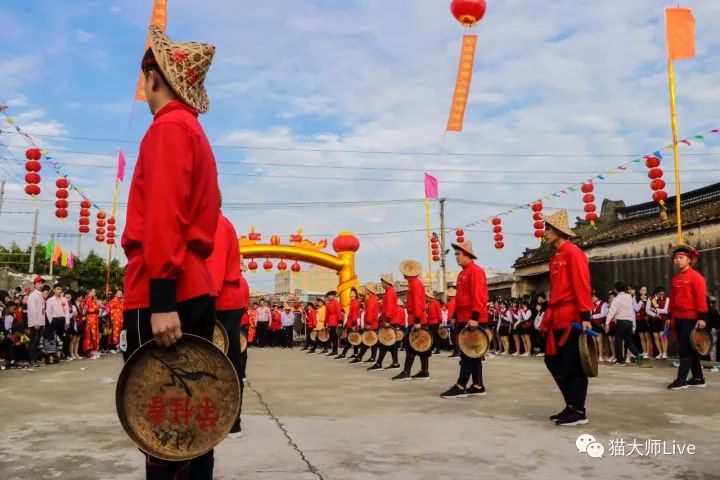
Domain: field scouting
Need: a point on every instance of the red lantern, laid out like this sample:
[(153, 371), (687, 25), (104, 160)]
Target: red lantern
[(499, 245), (101, 215), (537, 216), (587, 187), (62, 183), (652, 161), (539, 225), (253, 266), (590, 207), (468, 12), (61, 213), (85, 204), (33, 166), (61, 204), (111, 221), (84, 229), (539, 233), (84, 221), (84, 212), (275, 240), (655, 173), (435, 250), (498, 237), (110, 234), (282, 266), (657, 184), (295, 267), (111, 228), (537, 207), (591, 217), (497, 229), (433, 240), (32, 178), (99, 238), (459, 233), (32, 190), (100, 231), (460, 239), (268, 265), (61, 193), (436, 258), (588, 198), (660, 196), (346, 242), (111, 241), (33, 153), (496, 221), (100, 223)]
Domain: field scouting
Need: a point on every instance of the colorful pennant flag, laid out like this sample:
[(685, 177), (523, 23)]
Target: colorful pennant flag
[(71, 261), (49, 250)]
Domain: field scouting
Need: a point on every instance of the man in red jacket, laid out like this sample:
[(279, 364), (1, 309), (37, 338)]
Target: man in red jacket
[(224, 265), (310, 323), (451, 293), (434, 318), (470, 310), (172, 216), (388, 317), (333, 317), (411, 270), (689, 309), (370, 322), (570, 302)]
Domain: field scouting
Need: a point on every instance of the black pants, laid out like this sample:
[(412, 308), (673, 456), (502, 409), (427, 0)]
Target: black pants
[(34, 345), (567, 371), (58, 324), (334, 340), (411, 353), (287, 337), (624, 333), (470, 367), (373, 351), (689, 358), (393, 352), (243, 355), (262, 334), (436, 337), (355, 348), (454, 335), (197, 317), (230, 319)]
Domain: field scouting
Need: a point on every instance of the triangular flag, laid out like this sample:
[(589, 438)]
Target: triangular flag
[(64, 259), (57, 254), (49, 250), (71, 261), (121, 166)]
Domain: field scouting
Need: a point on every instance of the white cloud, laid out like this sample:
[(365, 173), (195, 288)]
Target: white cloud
[(115, 9), (82, 36)]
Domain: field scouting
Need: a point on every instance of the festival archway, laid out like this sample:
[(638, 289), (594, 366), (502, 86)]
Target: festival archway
[(300, 249)]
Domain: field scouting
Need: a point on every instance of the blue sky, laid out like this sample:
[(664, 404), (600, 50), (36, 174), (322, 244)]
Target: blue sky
[(583, 79)]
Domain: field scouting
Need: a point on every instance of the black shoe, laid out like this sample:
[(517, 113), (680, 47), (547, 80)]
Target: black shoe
[(369, 360), (311, 351), (421, 376), (678, 385), (454, 392), (374, 368), (697, 382), (303, 348), (436, 352), (356, 360), (324, 352), (473, 391), (573, 418), (402, 377), (394, 366), (454, 355), (236, 430), (339, 357), (558, 416)]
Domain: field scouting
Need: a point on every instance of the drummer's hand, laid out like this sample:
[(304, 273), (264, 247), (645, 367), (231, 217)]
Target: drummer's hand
[(417, 326), (387, 324), (166, 328), (700, 324), (586, 326), (472, 323)]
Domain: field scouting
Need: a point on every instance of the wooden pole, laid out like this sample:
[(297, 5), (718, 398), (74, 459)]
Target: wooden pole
[(676, 152), (427, 240)]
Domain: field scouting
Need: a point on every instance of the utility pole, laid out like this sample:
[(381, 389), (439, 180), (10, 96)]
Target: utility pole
[(33, 242), (52, 260), (443, 286), (77, 252), (2, 193)]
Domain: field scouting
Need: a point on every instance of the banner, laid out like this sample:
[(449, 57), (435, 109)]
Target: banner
[(462, 84), (158, 18), (680, 27), (431, 186), (120, 176)]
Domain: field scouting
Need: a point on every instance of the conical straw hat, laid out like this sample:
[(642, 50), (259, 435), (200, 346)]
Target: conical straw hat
[(559, 221), (410, 268)]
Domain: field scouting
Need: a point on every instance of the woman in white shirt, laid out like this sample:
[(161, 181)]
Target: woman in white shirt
[(623, 313)]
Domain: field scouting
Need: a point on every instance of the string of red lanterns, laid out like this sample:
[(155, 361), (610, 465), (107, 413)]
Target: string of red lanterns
[(657, 184), (497, 230), (32, 167), (538, 224), (61, 204), (111, 231), (84, 216), (435, 247), (100, 224), (589, 200)]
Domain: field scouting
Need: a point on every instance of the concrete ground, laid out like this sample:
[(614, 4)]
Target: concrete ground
[(309, 417)]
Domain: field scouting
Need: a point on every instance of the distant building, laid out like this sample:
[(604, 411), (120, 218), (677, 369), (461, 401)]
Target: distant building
[(632, 244), (313, 280)]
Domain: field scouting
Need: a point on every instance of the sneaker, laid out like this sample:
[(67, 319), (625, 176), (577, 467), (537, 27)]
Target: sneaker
[(374, 368), (339, 357), (454, 392), (473, 391), (526, 354), (394, 366), (697, 382), (236, 430), (664, 357), (573, 418), (659, 356), (402, 377), (515, 354), (356, 360), (453, 355), (421, 376), (311, 352), (678, 385), (558, 416), (324, 352), (619, 364), (369, 360), (244, 379)]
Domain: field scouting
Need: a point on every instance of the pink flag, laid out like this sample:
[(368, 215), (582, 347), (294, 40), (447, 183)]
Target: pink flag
[(121, 166), (71, 261), (431, 186)]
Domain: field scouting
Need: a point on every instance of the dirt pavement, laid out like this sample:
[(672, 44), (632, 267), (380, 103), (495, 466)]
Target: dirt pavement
[(309, 417)]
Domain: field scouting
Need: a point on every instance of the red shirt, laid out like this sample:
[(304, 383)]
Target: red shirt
[(353, 314), (245, 320), (371, 312), (172, 213), (472, 294), (399, 319), (416, 302), (390, 305), (224, 265), (688, 295), (333, 313), (434, 312), (311, 318), (275, 320), (244, 292), (452, 310)]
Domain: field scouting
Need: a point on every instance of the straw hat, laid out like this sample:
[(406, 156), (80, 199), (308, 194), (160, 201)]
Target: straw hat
[(373, 288), (387, 278), (410, 268), (430, 295), (559, 221), (184, 65), (466, 247)]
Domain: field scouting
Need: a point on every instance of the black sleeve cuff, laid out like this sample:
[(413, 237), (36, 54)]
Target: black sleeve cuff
[(388, 319), (585, 316), (475, 316), (417, 321), (704, 317), (162, 295)]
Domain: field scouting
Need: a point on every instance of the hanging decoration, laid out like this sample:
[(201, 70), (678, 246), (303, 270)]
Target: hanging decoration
[(268, 265), (295, 267), (282, 266), (110, 231), (32, 167), (657, 184), (435, 247), (84, 216), (61, 204), (100, 224), (538, 223), (589, 200), (460, 235), (497, 230), (253, 266)]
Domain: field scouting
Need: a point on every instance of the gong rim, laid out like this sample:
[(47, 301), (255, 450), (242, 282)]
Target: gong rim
[(473, 351), (414, 339), (243, 342), (220, 337), (588, 355), (701, 346), (387, 342), (369, 338), (354, 338)]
